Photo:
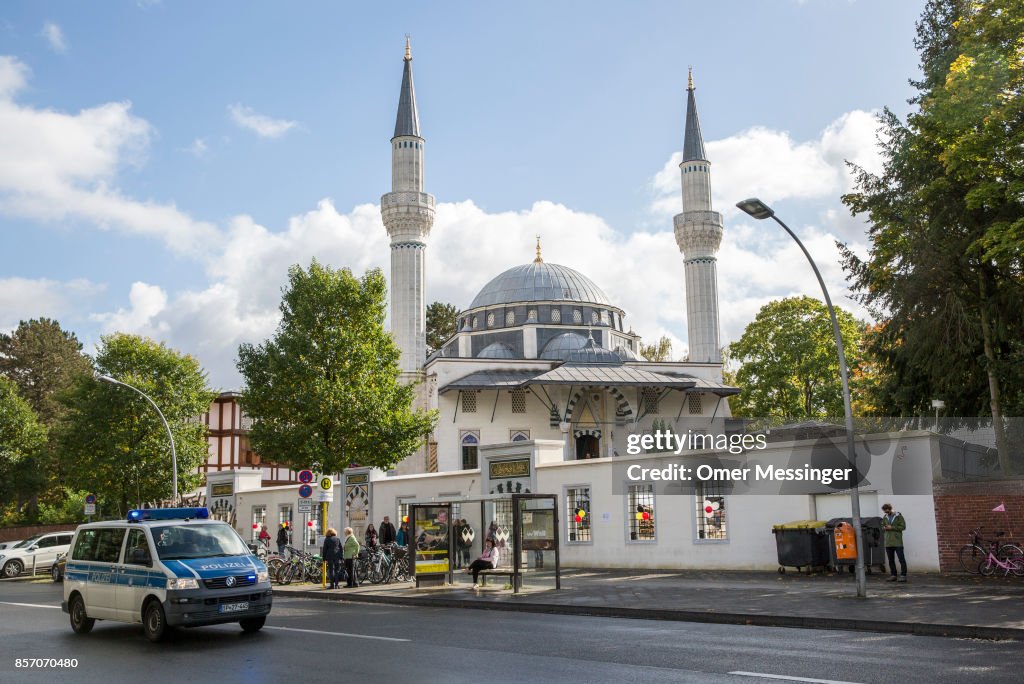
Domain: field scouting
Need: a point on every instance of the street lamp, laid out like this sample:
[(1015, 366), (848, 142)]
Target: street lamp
[(759, 210), (174, 454)]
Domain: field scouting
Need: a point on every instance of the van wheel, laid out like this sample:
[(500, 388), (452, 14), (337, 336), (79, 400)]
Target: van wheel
[(80, 622), (252, 624), (154, 622)]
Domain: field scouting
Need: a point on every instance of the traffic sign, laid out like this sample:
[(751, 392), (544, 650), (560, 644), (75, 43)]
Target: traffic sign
[(305, 505), (90, 509), (326, 483), (324, 496), (305, 476), (305, 491), (90, 498)]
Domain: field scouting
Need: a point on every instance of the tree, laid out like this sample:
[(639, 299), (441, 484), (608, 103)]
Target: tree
[(325, 389), (442, 323), (114, 444), (661, 351), (22, 436), (788, 364), (943, 274), (43, 360)]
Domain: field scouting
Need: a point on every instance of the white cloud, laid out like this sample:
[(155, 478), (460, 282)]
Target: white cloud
[(146, 302), (59, 166), (261, 125), (55, 37), (26, 298), (198, 148), (765, 163)]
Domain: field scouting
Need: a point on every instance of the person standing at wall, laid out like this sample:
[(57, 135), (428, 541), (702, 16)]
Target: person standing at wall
[(386, 531), (350, 551), (332, 555), (893, 524), (282, 538)]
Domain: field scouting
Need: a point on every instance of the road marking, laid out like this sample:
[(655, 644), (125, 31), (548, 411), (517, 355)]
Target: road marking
[(28, 605), (341, 634), (790, 679)]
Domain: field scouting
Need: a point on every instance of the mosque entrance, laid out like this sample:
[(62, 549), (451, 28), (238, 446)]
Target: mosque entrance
[(588, 418), (588, 445)]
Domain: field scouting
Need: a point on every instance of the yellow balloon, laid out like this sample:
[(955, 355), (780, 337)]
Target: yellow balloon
[(582, 513), (639, 516)]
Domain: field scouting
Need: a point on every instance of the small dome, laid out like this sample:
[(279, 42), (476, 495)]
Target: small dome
[(591, 352), (559, 347), (496, 350), (540, 282), (627, 354)]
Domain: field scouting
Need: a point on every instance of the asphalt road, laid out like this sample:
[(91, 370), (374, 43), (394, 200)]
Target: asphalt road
[(308, 640)]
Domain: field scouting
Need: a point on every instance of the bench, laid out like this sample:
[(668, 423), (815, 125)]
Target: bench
[(504, 571)]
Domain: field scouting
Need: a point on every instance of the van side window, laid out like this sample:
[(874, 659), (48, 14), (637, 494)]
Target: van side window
[(136, 551), (108, 547), (85, 547)]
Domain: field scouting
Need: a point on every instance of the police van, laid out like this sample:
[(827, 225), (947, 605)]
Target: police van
[(164, 567)]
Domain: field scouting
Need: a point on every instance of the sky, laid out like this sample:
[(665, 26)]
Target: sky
[(162, 164)]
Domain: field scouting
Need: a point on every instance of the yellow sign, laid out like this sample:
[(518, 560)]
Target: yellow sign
[(326, 484)]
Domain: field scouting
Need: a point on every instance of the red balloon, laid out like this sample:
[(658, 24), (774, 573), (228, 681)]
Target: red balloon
[(647, 516), (579, 519), (709, 509), (309, 524), (254, 526)]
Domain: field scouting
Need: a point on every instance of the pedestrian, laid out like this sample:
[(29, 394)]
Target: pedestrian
[(465, 541), (456, 552), (350, 551), (282, 538), (488, 560), (264, 536), (332, 555), (387, 531), (370, 537), (402, 538), (894, 524)]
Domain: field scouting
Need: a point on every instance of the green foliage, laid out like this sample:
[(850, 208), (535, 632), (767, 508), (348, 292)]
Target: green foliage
[(788, 364), (660, 351), (22, 437), (325, 389), (442, 323), (69, 508), (114, 443), (43, 361)]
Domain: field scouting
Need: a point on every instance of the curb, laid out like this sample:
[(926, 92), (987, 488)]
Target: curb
[(751, 619)]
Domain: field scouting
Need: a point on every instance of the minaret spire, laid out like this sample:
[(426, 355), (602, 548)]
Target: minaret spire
[(408, 215), (699, 233), (538, 260)]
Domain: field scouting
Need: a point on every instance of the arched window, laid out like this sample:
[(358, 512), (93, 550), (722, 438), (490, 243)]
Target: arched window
[(577, 316), (490, 320), (519, 435), (556, 315), (470, 445), (510, 318)]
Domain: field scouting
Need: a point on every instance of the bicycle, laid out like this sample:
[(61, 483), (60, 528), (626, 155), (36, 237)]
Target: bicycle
[(988, 566), (974, 554)]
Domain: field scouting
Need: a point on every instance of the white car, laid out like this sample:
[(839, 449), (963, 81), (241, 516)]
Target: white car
[(9, 544), (37, 552)]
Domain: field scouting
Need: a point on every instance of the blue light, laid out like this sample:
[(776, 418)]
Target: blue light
[(138, 515)]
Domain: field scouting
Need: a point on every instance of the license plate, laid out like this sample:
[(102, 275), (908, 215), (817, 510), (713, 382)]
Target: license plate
[(234, 607)]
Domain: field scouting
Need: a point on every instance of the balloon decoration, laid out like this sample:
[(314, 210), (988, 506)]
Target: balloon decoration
[(309, 524), (643, 515), (581, 515), (405, 518), (710, 507), (254, 526)]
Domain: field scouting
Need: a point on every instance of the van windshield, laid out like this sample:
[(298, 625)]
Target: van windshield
[(177, 542)]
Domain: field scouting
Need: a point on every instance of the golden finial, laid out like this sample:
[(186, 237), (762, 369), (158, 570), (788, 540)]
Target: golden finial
[(408, 49), (689, 79), (538, 260)]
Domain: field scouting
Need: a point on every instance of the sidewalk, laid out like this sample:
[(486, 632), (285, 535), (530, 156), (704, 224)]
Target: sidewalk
[(933, 605)]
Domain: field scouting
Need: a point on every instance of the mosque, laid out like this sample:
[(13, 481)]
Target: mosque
[(542, 387)]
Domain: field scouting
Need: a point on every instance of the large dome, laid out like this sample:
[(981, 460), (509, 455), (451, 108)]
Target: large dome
[(540, 282)]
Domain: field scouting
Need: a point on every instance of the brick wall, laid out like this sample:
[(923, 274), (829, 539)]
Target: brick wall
[(962, 506)]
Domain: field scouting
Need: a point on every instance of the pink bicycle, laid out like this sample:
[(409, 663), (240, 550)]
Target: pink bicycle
[(1009, 564)]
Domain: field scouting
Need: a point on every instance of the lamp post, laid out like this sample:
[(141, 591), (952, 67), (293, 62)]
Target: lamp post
[(759, 210), (174, 454)]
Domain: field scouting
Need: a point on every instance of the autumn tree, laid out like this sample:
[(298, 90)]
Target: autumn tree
[(788, 363), (114, 444), (325, 389), (659, 351)]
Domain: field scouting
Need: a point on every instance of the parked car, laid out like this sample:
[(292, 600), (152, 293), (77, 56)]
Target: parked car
[(10, 544), (57, 569), (38, 552)]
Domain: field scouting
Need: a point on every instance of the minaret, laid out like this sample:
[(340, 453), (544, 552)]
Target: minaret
[(408, 215), (698, 234)]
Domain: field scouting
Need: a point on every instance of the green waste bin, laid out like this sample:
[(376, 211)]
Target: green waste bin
[(801, 544)]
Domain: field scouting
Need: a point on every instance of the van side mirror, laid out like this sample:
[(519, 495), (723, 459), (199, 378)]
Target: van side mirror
[(34, 547)]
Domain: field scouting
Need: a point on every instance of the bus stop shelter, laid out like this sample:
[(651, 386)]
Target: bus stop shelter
[(448, 533)]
